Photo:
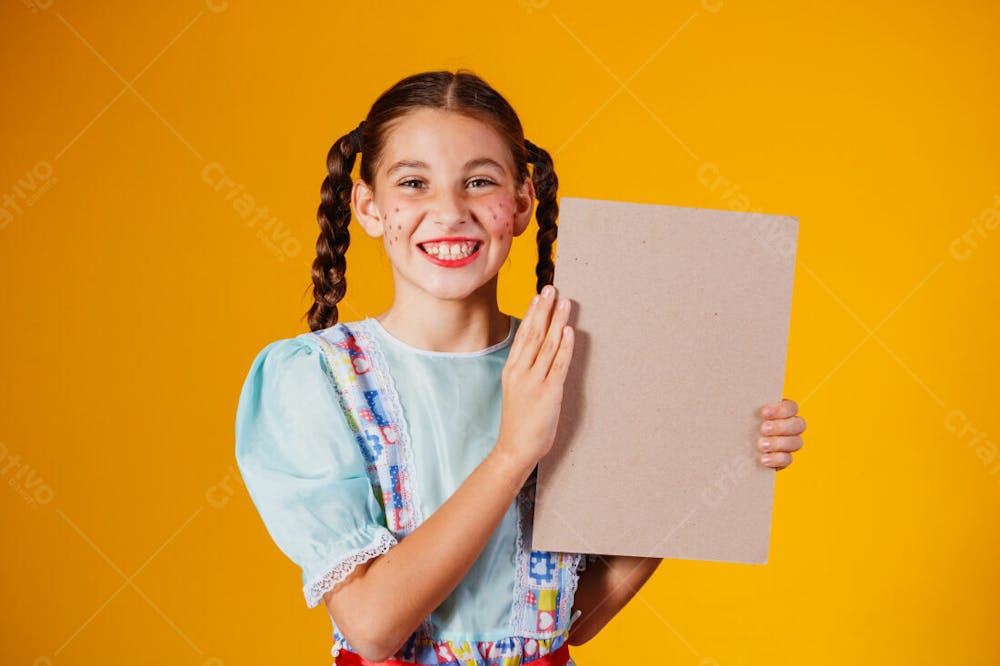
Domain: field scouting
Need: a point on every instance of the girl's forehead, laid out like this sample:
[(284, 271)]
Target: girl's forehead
[(434, 136)]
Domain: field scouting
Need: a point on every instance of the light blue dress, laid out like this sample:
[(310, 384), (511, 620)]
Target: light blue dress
[(348, 438)]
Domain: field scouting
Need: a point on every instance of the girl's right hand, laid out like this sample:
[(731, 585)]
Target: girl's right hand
[(533, 378)]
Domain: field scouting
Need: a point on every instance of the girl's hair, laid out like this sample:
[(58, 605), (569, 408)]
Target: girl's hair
[(462, 92)]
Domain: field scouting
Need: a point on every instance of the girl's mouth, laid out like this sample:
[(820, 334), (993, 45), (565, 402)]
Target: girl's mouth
[(451, 255)]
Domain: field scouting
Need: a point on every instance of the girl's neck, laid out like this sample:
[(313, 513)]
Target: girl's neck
[(447, 326)]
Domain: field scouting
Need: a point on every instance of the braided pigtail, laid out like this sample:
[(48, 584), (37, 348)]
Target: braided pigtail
[(333, 216), (546, 184)]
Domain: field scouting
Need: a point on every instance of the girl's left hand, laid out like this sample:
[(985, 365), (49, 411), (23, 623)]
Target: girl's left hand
[(780, 432)]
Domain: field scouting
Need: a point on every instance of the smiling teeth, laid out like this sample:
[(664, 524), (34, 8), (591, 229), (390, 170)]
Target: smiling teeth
[(450, 250)]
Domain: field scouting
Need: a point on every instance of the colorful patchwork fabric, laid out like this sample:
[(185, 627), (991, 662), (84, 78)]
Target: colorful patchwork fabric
[(512, 651)]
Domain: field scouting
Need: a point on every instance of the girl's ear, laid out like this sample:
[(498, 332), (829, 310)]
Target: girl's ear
[(366, 210), (524, 206)]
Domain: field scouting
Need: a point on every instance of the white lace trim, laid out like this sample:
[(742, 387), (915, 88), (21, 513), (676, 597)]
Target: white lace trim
[(327, 580), (387, 381), (520, 587), (574, 580)]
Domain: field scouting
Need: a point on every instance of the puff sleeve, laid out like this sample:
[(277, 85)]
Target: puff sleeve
[(303, 468)]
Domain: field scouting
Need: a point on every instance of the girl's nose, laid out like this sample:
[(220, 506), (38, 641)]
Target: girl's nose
[(450, 208)]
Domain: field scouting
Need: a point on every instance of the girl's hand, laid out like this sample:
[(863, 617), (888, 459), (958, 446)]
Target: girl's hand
[(781, 429), (533, 378)]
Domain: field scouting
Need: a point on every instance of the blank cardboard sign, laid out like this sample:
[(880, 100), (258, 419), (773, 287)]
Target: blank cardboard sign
[(681, 318)]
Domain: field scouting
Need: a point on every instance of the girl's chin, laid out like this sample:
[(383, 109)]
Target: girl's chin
[(453, 291), (453, 294)]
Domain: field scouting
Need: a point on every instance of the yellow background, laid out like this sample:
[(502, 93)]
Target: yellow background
[(134, 297)]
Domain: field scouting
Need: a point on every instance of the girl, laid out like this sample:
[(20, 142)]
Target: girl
[(392, 458)]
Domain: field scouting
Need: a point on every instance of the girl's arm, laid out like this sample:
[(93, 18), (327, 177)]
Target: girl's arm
[(605, 587), (384, 600)]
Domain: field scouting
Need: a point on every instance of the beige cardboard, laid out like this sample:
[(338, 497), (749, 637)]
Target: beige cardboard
[(681, 318)]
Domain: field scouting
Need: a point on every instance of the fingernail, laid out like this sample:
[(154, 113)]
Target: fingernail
[(767, 411), (767, 427), (766, 459), (534, 299), (547, 291), (563, 303), (764, 445)]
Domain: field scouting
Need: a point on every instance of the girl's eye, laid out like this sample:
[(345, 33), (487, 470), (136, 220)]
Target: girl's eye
[(416, 183)]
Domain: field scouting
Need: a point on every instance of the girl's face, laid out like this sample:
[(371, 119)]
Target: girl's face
[(446, 202)]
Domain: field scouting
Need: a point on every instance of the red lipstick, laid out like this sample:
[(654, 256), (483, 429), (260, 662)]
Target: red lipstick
[(451, 263)]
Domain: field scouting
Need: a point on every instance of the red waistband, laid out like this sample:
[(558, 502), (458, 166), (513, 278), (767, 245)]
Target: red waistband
[(558, 658)]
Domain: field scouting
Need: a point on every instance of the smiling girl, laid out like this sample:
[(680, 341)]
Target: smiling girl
[(392, 458)]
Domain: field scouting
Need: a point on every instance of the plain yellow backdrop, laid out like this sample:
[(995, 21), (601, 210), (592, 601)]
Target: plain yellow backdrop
[(135, 294)]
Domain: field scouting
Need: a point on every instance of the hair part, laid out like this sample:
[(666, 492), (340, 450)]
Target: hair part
[(461, 92)]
